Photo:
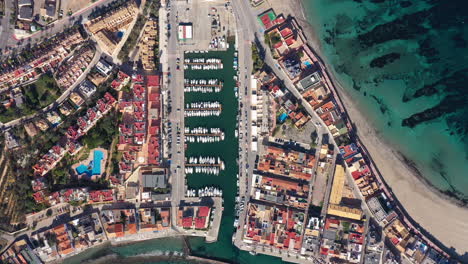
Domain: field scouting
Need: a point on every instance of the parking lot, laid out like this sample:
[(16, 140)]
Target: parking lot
[(209, 19)]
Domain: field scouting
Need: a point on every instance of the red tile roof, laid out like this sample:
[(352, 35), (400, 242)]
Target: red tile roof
[(138, 91), (154, 97), (138, 79), (278, 45), (289, 41), (266, 21), (356, 174), (203, 211), (286, 32), (200, 222), (324, 251), (152, 80), (38, 197), (187, 222), (115, 84)]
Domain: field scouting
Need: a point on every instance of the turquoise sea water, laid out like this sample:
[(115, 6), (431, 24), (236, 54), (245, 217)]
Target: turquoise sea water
[(404, 63)]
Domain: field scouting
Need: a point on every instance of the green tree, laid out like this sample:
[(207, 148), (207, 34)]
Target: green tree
[(276, 38)]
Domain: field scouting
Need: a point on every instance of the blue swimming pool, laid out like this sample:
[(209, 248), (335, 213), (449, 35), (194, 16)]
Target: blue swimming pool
[(98, 156), (81, 169), (282, 117), (94, 167)]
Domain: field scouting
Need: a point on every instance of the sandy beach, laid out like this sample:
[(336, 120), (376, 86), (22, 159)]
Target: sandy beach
[(432, 210)]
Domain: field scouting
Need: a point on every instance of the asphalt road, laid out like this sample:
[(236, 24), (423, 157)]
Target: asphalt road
[(5, 30), (173, 86)]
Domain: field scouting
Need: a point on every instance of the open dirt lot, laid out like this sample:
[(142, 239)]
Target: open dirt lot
[(73, 5)]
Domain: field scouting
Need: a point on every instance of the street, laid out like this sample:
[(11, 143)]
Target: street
[(173, 89), (5, 27)]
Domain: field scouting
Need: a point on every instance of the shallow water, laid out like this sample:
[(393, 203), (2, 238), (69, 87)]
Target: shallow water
[(404, 64)]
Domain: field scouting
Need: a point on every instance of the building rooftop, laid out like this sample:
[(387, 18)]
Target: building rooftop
[(310, 80), (154, 180), (25, 12), (337, 187)]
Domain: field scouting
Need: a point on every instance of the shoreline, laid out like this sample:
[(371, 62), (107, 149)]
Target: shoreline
[(186, 253), (426, 205), (311, 36)]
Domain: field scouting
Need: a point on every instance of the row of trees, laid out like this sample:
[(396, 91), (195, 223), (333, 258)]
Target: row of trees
[(257, 59), (132, 38), (151, 9)]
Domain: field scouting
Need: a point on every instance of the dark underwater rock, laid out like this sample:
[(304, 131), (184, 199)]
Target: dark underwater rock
[(405, 4), (406, 27), (381, 61), (454, 83), (427, 50), (448, 105), (459, 41)]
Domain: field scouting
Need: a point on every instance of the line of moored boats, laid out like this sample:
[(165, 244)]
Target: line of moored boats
[(202, 109), (203, 134), (202, 86), (205, 160), (203, 105), (201, 113), (202, 89), (239, 205), (205, 192), (202, 61), (205, 169), (203, 64), (204, 139), (201, 164), (212, 82), (202, 130)]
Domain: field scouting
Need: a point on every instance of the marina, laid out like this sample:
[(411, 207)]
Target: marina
[(222, 127)]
